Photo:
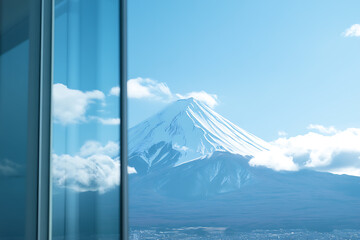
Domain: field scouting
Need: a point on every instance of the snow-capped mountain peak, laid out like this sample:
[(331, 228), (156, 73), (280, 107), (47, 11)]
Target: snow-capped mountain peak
[(194, 130)]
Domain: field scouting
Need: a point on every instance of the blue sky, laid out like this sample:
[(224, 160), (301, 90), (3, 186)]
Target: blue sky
[(274, 65)]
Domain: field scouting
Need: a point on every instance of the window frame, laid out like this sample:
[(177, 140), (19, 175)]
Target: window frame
[(40, 120)]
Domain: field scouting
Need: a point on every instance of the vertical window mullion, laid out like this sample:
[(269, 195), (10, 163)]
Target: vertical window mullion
[(44, 179), (123, 122)]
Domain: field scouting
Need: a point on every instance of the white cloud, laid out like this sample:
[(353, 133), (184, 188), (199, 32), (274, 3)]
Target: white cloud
[(95, 168), (209, 99), (148, 88), (282, 133), (131, 170), (322, 129), (114, 91), (353, 31), (347, 170), (93, 173), (145, 88), (70, 105), (9, 168), (111, 149), (338, 152), (274, 159), (107, 121)]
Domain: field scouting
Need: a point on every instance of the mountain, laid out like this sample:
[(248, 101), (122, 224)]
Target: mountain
[(184, 131), (193, 170)]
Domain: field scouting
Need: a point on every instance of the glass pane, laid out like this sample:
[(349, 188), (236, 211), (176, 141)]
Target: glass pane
[(85, 166), (244, 119), (18, 125)]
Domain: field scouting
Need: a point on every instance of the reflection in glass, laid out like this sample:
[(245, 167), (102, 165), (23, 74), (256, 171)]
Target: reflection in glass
[(18, 181), (85, 160)]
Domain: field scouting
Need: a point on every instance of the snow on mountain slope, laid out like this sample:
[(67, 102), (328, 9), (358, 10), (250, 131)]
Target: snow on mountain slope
[(193, 130)]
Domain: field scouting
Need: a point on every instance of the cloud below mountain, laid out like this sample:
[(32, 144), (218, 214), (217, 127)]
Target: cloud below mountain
[(329, 150)]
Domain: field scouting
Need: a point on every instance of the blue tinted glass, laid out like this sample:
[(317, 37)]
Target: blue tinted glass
[(17, 180), (85, 159)]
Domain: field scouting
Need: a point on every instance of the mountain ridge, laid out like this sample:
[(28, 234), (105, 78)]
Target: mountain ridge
[(194, 130)]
